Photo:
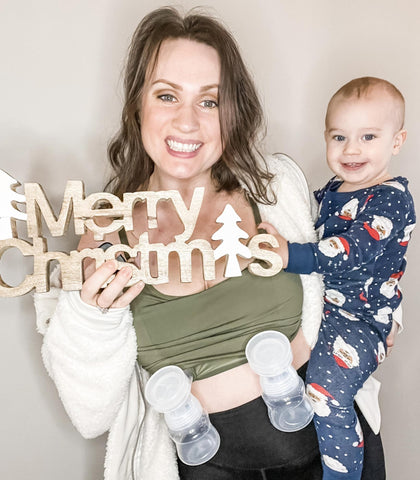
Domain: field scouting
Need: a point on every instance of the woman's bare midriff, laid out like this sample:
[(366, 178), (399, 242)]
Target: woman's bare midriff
[(240, 385)]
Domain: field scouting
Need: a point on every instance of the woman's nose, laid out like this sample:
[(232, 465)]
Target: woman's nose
[(186, 119)]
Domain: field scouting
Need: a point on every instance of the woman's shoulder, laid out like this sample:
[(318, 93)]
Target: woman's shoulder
[(291, 214), (287, 175), (281, 162)]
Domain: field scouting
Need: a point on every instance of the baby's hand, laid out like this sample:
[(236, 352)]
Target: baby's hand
[(283, 249)]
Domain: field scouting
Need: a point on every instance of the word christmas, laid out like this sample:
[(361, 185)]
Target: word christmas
[(119, 215)]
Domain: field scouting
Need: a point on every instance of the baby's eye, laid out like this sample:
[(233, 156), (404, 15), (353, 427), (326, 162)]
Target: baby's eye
[(168, 98), (209, 104), (339, 138), (368, 137)]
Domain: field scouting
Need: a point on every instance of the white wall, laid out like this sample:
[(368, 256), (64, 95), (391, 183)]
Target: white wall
[(60, 98)]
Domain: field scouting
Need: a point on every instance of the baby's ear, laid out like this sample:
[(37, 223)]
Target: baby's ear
[(399, 140)]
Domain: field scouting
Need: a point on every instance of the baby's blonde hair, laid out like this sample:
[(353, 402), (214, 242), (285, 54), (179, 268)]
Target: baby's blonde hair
[(362, 87)]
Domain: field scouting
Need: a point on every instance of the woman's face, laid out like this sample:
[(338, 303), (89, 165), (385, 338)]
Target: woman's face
[(179, 112)]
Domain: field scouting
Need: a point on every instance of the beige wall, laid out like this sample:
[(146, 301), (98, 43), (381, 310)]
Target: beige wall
[(59, 103)]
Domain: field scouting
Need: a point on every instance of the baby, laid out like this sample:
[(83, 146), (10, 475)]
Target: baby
[(365, 220)]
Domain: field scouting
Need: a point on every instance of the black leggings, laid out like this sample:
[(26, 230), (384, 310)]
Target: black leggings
[(252, 449)]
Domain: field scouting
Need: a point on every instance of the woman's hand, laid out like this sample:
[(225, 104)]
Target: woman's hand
[(113, 295), (282, 249)]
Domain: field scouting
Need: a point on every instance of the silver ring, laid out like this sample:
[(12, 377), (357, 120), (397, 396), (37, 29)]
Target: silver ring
[(103, 310)]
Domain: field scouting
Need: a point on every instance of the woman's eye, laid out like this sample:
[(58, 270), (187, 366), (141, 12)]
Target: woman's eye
[(166, 97), (368, 137), (339, 138), (208, 104)]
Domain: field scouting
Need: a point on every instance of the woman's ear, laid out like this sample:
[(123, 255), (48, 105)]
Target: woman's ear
[(399, 140)]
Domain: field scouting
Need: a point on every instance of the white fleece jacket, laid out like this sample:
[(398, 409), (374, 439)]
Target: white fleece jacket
[(92, 357)]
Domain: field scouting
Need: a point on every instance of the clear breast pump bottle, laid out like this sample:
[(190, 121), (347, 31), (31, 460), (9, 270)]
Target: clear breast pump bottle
[(169, 392), (270, 356)]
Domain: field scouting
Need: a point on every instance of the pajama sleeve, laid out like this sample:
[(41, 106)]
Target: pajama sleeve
[(382, 219)]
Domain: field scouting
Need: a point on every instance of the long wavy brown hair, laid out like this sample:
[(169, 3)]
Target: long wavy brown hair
[(240, 112)]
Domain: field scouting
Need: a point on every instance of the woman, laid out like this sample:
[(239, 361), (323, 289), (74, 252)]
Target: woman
[(191, 119)]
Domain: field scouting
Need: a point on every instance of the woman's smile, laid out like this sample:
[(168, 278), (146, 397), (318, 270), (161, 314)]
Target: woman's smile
[(177, 146)]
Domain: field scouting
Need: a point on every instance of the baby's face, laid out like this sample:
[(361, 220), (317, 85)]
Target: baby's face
[(362, 134)]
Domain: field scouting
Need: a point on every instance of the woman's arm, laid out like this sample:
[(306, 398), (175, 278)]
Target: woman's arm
[(300, 349), (90, 355)]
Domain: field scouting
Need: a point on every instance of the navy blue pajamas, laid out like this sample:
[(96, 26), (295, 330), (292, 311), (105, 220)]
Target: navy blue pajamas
[(364, 236)]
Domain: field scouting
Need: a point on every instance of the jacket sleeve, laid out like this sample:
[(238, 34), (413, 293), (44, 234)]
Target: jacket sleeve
[(90, 356)]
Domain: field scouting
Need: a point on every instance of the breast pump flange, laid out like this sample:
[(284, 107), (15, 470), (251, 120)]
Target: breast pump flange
[(169, 392), (270, 356)]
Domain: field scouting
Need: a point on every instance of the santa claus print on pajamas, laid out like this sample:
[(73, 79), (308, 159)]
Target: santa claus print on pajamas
[(333, 246), (390, 287), (344, 354), (349, 210), (407, 233), (320, 398), (335, 297), (361, 254), (379, 228)]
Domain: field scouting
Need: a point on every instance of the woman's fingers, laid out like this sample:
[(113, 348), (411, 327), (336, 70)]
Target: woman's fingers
[(113, 295), (94, 283), (111, 292), (128, 296)]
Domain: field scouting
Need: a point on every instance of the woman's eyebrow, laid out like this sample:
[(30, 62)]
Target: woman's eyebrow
[(214, 86), (175, 86), (167, 82)]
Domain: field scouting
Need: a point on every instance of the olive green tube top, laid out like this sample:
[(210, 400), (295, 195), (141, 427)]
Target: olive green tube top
[(206, 333)]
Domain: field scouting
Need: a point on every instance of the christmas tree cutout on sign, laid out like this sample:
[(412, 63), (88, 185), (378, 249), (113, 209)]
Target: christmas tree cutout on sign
[(8, 211), (230, 234)]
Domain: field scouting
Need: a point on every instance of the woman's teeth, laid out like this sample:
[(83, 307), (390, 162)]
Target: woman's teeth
[(183, 147)]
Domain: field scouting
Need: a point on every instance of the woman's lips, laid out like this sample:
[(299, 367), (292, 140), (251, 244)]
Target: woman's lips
[(183, 146)]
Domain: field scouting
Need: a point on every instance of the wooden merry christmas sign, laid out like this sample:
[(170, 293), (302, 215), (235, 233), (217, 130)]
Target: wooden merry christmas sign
[(119, 212)]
